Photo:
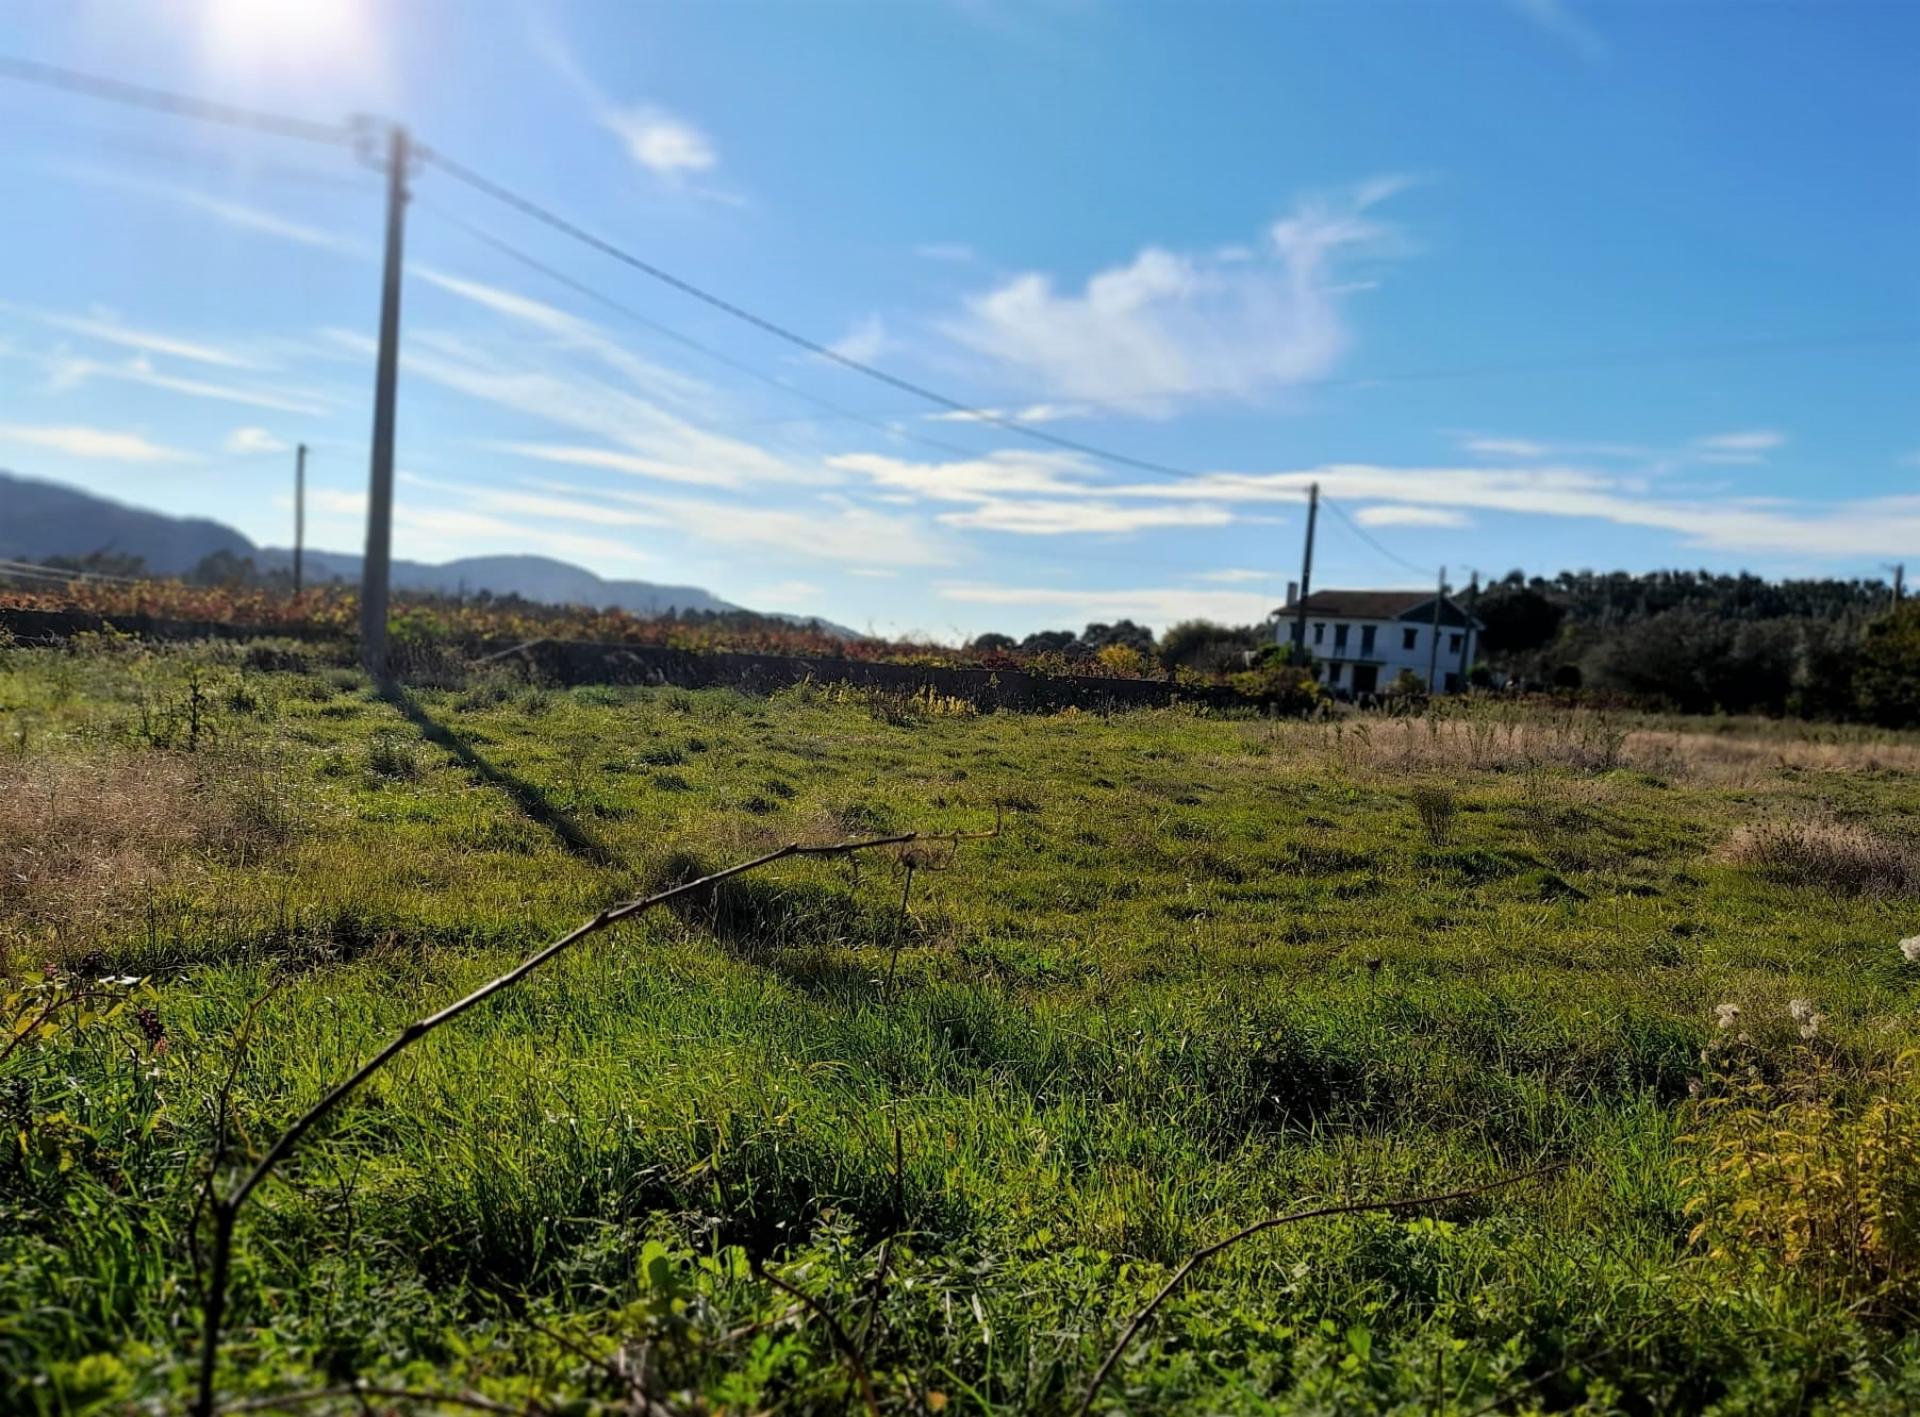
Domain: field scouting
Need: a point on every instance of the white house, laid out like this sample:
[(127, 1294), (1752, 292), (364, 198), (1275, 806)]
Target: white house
[(1362, 639)]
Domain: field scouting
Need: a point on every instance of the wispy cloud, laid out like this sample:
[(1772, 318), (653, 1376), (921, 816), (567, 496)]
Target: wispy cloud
[(249, 442), (865, 342), (957, 252), (72, 373), (1233, 575), (1038, 517), (235, 214), (640, 437), (669, 146), (1398, 514), (1032, 413), (110, 331), (1748, 447), (101, 444), (1169, 329), (1557, 18), (1158, 606)]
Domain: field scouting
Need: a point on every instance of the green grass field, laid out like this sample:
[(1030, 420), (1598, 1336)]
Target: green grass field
[(1211, 970)]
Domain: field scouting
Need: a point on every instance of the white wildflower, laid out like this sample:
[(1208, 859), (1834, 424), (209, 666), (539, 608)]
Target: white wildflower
[(1910, 947), (1811, 1028), (1800, 1009), (1726, 1015)]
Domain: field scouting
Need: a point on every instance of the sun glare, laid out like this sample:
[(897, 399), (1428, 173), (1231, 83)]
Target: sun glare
[(306, 35)]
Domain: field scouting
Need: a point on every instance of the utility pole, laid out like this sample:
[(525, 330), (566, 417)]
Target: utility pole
[(1433, 657), (374, 569), (299, 511), (1466, 635), (1306, 568), (1899, 581)]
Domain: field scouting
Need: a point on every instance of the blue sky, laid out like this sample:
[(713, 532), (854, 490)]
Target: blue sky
[(1536, 283)]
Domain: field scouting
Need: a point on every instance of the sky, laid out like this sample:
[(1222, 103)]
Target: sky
[(1538, 284)]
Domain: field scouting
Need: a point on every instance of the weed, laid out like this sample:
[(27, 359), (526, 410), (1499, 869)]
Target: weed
[(1835, 856), (1436, 806)]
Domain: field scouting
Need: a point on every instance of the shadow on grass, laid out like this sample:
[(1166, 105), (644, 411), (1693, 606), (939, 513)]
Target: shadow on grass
[(529, 797), (820, 938)]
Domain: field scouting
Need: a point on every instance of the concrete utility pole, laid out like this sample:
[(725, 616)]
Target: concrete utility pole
[(1306, 567), (299, 511), (1433, 657), (1466, 635), (374, 569)]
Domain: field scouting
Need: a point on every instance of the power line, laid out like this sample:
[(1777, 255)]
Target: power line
[(580, 287), (1369, 538), (528, 207), (180, 105)]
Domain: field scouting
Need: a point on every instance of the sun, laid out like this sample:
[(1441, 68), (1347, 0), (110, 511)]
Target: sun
[(282, 35)]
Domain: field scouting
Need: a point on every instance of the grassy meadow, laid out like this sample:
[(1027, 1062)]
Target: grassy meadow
[(729, 1156)]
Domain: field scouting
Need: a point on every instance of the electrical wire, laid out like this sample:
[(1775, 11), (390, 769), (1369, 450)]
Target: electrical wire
[(529, 208), (1370, 539), (180, 105), (626, 311)]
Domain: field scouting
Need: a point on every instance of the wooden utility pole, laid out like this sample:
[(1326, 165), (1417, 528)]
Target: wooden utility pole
[(1433, 657), (375, 568), (1306, 567), (299, 511), (1466, 634), (1899, 581)]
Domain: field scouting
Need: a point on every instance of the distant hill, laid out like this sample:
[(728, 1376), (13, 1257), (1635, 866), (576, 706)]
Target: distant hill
[(39, 519)]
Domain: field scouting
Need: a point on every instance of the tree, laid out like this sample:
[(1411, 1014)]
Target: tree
[(1517, 618), (1887, 677), (991, 643), (1210, 648), (1125, 632), (1053, 642)]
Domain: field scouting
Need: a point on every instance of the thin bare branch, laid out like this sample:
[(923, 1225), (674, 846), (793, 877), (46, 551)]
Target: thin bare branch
[(855, 1362), (362, 1391), (1273, 1222), (227, 1211)]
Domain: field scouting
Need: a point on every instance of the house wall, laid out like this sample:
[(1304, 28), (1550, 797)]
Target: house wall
[(1390, 653)]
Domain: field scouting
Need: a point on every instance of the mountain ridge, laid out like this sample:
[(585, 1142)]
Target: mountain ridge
[(40, 517)]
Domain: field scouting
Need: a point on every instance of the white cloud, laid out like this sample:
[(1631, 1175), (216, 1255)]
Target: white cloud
[(111, 331), (1157, 606), (1505, 447), (1046, 518), (72, 373), (667, 145), (234, 214), (1032, 413), (1751, 446), (615, 461), (1392, 514), (242, 442), (80, 442), (663, 144), (1172, 328), (1234, 576), (865, 342), (571, 332), (646, 440), (831, 530), (1556, 18), (973, 479)]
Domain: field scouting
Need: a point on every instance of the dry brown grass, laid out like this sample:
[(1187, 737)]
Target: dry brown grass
[(1847, 859), (84, 842)]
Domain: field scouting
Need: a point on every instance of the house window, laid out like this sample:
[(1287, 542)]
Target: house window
[(1409, 638), (1453, 642), (1366, 638), (1339, 638), (1319, 632), (1333, 673)]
